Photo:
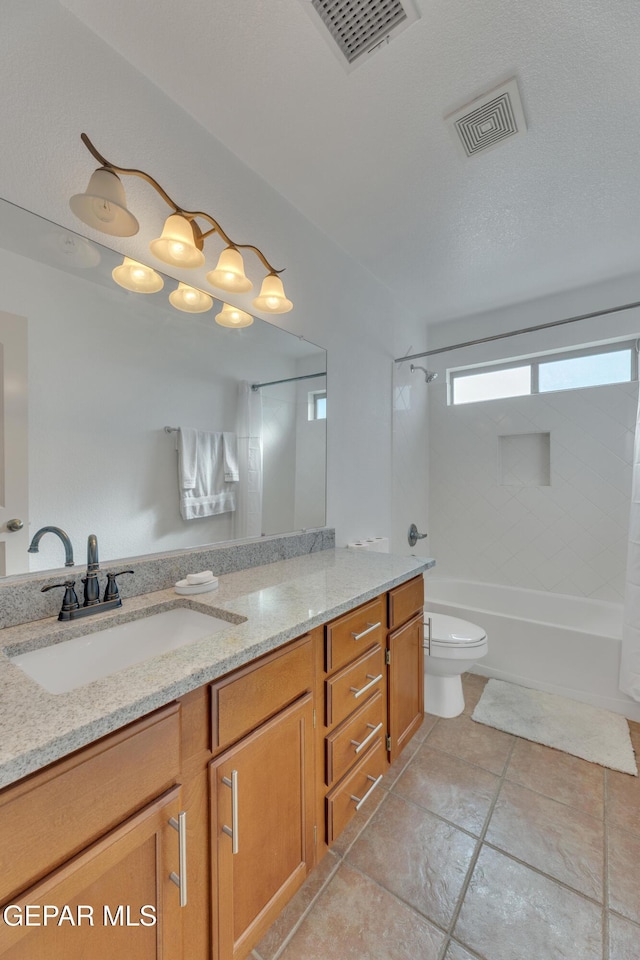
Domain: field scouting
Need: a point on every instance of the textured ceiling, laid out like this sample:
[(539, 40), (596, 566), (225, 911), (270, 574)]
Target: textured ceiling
[(366, 156)]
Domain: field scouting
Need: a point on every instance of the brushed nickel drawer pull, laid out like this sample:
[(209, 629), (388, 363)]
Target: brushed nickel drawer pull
[(427, 632), (370, 628), (232, 831), (180, 879), (370, 736), (372, 681), (360, 800)]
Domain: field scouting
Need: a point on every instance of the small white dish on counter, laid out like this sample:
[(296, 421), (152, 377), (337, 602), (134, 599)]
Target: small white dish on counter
[(196, 583)]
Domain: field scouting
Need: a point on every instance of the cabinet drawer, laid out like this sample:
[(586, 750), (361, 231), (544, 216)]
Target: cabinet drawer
[(353, 633), (54, 814), (404, 601), (346, 689), (349, 795), (248, 697), (346, 744)]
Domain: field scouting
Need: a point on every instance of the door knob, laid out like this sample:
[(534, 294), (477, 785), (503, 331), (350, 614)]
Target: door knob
[(14, 525)]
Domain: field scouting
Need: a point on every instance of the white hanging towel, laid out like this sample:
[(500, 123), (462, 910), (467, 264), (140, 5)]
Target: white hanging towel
[(205, 460)]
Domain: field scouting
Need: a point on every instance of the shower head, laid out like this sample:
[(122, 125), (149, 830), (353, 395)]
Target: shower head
[(429, 375)]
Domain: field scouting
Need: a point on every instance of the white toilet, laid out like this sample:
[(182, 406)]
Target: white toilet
[(451, 647)]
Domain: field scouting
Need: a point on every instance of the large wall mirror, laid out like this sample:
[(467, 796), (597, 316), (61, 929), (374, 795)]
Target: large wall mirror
[(93, 374)]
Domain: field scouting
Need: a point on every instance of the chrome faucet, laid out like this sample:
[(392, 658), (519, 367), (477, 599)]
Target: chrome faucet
[(34, 546), (71, 608)]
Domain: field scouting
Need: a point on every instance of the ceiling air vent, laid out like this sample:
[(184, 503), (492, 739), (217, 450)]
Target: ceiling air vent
[(487, 121), (354, 28)]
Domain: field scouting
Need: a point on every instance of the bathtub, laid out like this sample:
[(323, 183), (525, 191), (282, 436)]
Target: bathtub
[(560, 644)]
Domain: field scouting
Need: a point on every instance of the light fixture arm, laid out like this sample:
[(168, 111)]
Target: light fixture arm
[(132, 173), (189, 214), (216, 228)]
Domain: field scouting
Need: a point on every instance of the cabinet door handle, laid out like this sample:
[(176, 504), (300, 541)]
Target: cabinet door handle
[(360, 800), (372, 681), (232, 831), (180, 880), (370, 628), (360, 746)]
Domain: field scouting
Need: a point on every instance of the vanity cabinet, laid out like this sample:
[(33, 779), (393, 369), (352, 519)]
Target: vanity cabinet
[(352, 685), (405, 658), (262, 795), (194, 825), (373, 691), (113, 900), (91, 840)]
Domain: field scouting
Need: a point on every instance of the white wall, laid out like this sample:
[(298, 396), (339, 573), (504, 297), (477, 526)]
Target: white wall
[(568, 537), (410, 445), (57, 80)]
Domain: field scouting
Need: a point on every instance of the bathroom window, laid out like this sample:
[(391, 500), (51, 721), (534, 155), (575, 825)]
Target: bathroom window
[(318, 405), (590, 370), (492, 385), (544, 373)]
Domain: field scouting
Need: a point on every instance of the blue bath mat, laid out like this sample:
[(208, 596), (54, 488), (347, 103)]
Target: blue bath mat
[(577, 728)]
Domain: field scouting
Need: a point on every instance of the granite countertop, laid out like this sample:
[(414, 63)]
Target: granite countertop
[(265, 606)]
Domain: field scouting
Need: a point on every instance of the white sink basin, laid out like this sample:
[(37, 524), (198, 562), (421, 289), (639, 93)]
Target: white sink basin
[(64, 666)]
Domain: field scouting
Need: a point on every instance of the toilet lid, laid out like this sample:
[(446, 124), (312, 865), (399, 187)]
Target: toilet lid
[(453, 631)]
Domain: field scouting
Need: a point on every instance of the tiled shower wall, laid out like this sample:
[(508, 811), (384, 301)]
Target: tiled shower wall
[(567, 535)]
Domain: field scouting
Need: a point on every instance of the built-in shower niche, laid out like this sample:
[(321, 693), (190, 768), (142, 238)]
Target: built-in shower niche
[(524, 460)]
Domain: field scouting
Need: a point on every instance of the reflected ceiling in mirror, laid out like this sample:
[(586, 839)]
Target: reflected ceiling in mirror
[(92, 375)]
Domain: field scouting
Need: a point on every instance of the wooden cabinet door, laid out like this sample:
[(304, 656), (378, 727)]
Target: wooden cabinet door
[(127, 874), (406, 683), (268, 780)]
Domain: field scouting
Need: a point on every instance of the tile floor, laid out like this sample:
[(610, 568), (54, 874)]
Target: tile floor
[(480, 846)]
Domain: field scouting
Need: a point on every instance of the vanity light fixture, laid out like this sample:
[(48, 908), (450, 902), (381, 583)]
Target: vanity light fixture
[(190, 300), (137, 277), (229, 274), (103, 207), (272, 298), (232, 317), (178, 244)]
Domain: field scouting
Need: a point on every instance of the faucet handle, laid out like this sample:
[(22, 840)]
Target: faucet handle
[(111, 590), (70, 600)]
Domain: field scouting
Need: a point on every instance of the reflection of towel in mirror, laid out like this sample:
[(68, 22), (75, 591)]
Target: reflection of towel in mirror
[(207, 471)]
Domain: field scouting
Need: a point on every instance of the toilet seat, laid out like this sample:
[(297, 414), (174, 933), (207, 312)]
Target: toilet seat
[(451, 633)]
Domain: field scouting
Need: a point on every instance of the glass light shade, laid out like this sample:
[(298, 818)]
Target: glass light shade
[(229, 273), (103, 205), (232, 317), (190, 300), (272, 298), (177, 244), (137, 277)]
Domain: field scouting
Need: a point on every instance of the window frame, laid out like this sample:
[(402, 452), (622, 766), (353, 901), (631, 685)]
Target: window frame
[(313, 397), (534, 361)]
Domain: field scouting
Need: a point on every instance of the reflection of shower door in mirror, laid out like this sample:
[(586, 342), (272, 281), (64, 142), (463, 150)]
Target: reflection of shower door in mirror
[(13, 444)]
